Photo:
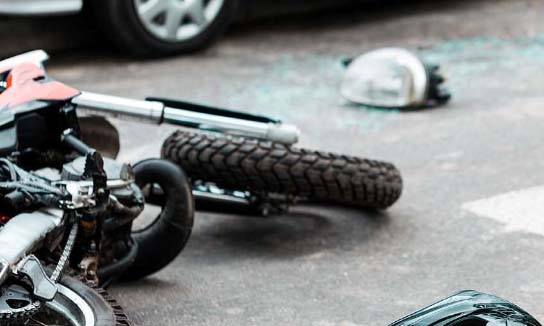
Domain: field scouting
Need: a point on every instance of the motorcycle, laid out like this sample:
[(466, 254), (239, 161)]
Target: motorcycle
[(238, 161), (244, 163), (68, 210), (67, 213)]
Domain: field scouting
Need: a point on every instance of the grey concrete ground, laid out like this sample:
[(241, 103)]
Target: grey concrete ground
[(326, 266)]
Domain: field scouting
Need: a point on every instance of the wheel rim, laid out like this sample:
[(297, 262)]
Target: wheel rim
[(177, 20), (67, 309)]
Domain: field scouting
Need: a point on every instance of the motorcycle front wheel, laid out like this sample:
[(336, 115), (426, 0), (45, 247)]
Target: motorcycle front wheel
[(238, 163)]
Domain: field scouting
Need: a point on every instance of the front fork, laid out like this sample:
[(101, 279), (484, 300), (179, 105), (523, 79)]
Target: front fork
[(158, 111), (174, 112)]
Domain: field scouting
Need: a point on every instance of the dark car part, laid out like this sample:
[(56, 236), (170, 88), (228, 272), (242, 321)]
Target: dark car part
[(470, 308), (158, 28), (238, 163), (393, 78), (165, 236)]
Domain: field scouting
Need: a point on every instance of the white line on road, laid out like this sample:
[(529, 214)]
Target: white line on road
[(521, 210)]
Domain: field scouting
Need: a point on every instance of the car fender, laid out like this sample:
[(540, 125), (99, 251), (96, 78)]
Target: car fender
[(40, 7)]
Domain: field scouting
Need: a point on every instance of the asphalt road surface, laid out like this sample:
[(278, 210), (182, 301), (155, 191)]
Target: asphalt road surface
[(472, 213)]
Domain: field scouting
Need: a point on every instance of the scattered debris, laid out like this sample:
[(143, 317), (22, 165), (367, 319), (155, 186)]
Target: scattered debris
[(393, 78)]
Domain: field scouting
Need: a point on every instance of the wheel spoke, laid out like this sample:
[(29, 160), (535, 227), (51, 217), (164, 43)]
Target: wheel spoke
[(177, 20), (150, 9), (196, 12), (213, 8), (173, 21)]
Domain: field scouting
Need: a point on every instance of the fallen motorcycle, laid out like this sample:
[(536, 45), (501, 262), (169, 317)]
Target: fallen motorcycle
[(236, 161), (68, 213), (247, 163), (67, 226), (55, 234)]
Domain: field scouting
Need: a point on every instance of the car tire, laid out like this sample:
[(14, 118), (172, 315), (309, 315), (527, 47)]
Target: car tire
[(122, 22)]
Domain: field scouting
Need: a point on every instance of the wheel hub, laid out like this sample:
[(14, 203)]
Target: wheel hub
[(16, 302), (177, 20)]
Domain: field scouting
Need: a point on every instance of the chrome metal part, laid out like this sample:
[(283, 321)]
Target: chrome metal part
[(82, 191), (25, 306), (156, 112), (283, 133), (23, 233), (68, 308), (81, 196), (72, 307), (212, 192), (43, 287), (4, 270), (119, 107), (210, 197), (61, 265)]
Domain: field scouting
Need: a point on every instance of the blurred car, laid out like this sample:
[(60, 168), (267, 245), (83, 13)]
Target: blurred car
[(143, 27), (165, 27)]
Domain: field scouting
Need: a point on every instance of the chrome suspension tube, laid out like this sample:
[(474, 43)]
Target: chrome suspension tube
[(157, 112), (269, 131), (119, 107)]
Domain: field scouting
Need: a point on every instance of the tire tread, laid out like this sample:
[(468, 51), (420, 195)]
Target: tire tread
[(238, 163)]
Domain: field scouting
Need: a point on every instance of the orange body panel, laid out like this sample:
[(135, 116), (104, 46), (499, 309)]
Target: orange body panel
[(25, 84)]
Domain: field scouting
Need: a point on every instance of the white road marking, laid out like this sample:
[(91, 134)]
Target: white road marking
[(521, 210)]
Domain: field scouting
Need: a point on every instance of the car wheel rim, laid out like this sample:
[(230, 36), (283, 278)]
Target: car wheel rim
[(177, 20)]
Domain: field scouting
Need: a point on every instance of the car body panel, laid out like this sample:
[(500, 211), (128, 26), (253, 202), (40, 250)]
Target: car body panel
[(469, 308), (40, 7), (248, 9)]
